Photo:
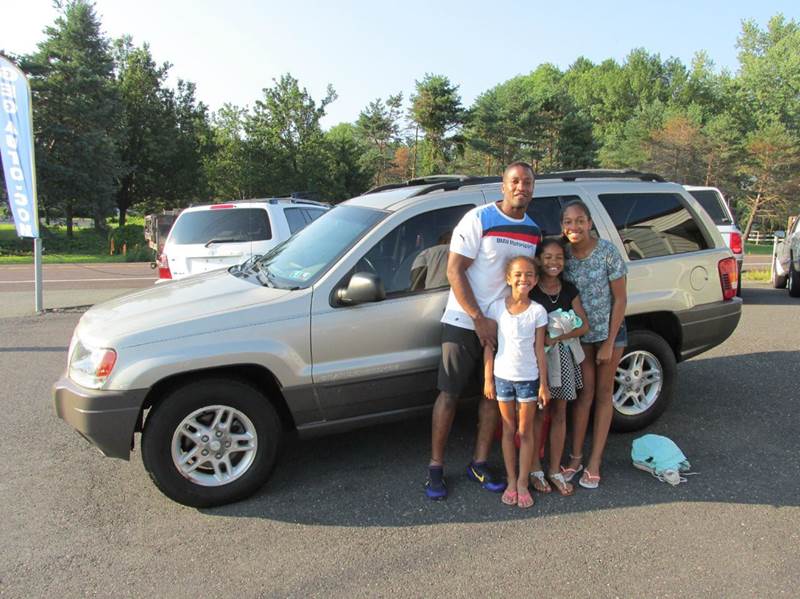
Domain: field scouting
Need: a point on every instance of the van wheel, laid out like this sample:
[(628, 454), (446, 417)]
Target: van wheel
[(644, 381), (778, 281), (211, 442)]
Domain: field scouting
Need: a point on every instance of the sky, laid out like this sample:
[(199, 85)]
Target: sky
[(370, 49)]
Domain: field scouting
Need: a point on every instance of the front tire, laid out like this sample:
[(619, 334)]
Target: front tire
[(644, 381), (211, 442)]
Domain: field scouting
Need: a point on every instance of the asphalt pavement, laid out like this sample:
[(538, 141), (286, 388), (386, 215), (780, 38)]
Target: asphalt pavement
[(345, 516), (67, 286)]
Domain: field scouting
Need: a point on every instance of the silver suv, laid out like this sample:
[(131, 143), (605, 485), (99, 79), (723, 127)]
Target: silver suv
[(339, 328)]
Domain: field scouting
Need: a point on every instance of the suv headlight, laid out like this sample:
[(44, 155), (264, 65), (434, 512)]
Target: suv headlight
[(90, 366)]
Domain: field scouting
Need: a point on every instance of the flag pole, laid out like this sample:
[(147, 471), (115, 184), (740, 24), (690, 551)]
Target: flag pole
[(37, 267)]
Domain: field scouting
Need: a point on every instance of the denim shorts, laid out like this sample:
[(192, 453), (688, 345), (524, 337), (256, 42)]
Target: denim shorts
[(522, 391), (621, 340)]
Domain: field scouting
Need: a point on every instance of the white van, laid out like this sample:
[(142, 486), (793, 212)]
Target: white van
[(206, 238), (712, 200)]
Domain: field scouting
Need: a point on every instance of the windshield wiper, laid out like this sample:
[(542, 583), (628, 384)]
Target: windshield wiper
[(264, 276), (224, 240), (247, 265)]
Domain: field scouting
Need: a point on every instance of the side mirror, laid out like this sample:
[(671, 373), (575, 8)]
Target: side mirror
[(363, 287), (779, 234)]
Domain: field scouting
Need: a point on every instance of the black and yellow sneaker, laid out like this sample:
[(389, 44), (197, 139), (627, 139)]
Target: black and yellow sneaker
[(480, 473)]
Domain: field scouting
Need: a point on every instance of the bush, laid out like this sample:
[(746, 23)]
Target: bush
[(140, 253), (132, 235), (84, 241)]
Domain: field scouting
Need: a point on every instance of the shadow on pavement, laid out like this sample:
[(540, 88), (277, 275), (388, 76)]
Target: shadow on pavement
[(766, 295), (739, 444)]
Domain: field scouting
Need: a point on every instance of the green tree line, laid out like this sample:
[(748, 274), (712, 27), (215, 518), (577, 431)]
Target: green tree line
[(112, 135)]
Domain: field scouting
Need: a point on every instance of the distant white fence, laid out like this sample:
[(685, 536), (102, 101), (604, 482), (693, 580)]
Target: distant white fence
[(760, 238)]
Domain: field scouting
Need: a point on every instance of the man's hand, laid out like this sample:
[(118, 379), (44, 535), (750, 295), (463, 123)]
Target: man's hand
[(486, 330)]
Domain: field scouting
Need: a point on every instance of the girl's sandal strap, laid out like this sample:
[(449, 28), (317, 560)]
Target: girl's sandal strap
[(561, 485)]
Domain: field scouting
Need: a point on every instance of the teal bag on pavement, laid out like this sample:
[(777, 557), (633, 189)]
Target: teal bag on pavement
[(660, 457)]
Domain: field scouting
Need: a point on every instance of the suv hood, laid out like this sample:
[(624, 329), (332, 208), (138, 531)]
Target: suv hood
[(200, 304)]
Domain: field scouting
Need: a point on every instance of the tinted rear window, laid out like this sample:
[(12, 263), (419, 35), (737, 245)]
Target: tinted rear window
[(546, 212), (222, 225), (712, 202), (653, 224)]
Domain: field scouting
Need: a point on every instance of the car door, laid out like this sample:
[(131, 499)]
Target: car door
[(383, 356)]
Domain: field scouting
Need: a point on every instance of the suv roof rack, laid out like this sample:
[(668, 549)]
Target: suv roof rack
[(429, 180), (450, 185), (435, 182), (294, 200), (598, 173)]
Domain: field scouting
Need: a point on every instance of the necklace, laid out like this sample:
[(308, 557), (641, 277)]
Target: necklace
[(550, 297)]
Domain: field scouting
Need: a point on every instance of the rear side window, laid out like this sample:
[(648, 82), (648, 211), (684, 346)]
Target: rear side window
[(313, 214), (223, 225), (653, 224), (546, 212), (295, 219), (711, 201)]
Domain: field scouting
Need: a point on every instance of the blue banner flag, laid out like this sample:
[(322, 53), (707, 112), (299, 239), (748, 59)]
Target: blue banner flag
[(16, 147)]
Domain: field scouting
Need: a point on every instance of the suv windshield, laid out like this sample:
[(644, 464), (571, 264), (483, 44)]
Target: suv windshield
[(712, 202), (301, 259), (221, 226)]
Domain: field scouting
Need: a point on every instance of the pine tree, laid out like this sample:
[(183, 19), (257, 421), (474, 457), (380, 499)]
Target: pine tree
[(75, 113)]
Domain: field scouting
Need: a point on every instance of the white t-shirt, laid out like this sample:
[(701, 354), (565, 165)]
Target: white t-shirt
[(491, 239), (516, 337)]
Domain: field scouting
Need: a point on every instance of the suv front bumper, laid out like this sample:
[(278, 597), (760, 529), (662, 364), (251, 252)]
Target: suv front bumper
[(106, 419)]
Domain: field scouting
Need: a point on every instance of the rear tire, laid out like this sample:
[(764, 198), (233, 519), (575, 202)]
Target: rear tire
[(794, 279), (211, 442), (644, 381), (778, 281), (739, 282)]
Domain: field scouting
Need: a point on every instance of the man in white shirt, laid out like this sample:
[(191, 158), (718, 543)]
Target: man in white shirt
[(482, 243)]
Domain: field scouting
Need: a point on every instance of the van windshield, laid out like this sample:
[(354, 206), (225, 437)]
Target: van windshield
[(712, 202), (300, 260)]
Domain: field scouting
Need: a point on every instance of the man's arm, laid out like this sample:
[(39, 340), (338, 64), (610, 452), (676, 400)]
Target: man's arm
[(485, 328)]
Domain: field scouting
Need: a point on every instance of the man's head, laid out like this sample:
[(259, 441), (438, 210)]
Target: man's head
[(517, 188)]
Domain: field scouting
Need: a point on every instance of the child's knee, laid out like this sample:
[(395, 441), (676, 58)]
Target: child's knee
[(558, 413), (586, 394), (509, 427)]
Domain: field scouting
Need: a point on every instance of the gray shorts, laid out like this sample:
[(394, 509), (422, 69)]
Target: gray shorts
[(461, 366)]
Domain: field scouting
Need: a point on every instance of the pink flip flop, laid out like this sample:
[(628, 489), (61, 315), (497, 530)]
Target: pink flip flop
[(589, 480), (569, 473), (525, 500), (509, 497)]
